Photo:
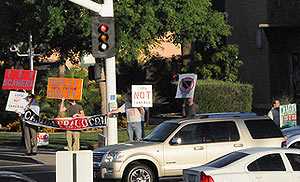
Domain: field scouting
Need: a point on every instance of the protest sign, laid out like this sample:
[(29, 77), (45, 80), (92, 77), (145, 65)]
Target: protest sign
[(16, 101), (96, 121), (42, 138), (288, 115), (141, 95), (186, 86), (69, 88), (19, 79)]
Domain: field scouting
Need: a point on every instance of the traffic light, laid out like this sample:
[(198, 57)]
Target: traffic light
[(103, 37)]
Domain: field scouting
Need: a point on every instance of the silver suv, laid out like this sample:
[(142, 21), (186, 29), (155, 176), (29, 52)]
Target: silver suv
[(179, 144)]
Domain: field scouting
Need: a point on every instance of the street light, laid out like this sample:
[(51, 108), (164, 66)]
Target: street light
[(30, 52)]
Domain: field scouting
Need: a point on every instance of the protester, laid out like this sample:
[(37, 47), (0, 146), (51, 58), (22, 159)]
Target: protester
[(30, 131), (274, 112), (189, 108), (144, 117), (133, 116), (73, 110)]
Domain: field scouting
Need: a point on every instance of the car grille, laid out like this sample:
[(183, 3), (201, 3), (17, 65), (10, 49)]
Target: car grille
[(97, 157)]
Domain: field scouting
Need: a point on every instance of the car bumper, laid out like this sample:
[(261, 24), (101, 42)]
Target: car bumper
[(108, 171)]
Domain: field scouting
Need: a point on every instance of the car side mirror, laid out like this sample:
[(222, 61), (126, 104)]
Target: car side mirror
[(175, 141)]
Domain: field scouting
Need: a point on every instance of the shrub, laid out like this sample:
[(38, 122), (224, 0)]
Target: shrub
[(223, 96)]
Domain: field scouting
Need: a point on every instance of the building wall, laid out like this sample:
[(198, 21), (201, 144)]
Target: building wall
[(245, 17)]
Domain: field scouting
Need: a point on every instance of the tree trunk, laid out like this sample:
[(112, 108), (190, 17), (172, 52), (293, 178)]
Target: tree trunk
[(186, 50)]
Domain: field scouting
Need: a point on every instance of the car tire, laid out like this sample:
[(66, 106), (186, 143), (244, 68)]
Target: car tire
[(138, 172)]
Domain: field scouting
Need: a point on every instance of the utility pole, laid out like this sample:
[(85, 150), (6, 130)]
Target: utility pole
[(106, 10), (30, 52)]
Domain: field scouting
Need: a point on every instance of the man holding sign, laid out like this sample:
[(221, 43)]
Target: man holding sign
[(133, 116), (73, 110)]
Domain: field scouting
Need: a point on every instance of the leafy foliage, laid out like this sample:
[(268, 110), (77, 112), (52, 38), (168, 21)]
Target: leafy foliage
[(90, 99)]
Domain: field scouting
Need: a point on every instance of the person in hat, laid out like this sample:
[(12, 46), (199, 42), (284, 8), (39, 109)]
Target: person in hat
[(30, 131), (73, 110)]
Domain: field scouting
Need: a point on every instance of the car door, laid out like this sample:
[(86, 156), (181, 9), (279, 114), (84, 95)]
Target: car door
[(294, 160), (221, 138), (269, 167), (188, 151)]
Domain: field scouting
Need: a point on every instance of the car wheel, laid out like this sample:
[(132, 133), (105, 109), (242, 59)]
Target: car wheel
[(138, 172)]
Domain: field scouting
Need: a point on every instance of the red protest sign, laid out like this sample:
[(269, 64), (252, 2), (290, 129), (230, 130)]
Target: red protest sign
[(19, 79)]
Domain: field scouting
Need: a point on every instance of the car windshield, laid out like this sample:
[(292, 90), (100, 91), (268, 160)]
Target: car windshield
[(226, 159), (161, 132)]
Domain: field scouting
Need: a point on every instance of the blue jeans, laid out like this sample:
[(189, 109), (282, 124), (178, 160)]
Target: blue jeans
[(134, 128)]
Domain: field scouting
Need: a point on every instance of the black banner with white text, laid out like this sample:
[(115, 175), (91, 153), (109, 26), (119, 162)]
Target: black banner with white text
[(79, 123)]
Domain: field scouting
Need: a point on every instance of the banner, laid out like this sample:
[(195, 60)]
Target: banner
[(288, 115), (141, 95), (69, 88), (19, 79), (96, 121), (16, 101)]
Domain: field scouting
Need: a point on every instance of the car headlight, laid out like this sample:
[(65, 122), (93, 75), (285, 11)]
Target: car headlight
[(114, 157)]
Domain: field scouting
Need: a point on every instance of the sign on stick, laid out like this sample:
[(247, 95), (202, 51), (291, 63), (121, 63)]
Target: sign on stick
[(19, 79), (288, 115), (141, 95), (186, 86), (16, 101), (69, 88)]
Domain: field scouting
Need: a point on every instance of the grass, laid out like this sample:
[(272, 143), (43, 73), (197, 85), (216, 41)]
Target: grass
[(57, 140)]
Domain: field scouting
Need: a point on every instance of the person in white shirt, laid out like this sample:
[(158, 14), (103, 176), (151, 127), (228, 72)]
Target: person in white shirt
[(133, 116)]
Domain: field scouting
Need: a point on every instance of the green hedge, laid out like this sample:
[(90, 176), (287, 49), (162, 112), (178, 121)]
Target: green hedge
[(218, 96)]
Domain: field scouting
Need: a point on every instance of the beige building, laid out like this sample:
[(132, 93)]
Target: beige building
[(268, 36)]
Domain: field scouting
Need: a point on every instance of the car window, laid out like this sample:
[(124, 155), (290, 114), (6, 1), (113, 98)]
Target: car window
[(294, 160), (191, 134), (208, 132), (270, 162), (221, 131), (226, 159), (264, 128), (162, 132)]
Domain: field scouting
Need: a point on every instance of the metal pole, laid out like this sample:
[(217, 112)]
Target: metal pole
[(111, 98), (30, 55)]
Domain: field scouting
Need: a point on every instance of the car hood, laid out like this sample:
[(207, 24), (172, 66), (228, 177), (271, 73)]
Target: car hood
[(126, 146)]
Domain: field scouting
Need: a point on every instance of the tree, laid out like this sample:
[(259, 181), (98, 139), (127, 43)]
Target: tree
[(90, 94), (140, 24)]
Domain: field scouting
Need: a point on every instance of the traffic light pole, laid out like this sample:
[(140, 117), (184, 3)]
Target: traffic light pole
[(111, 100), (106, 10)]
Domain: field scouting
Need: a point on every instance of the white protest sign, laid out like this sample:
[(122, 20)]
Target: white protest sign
[(186, 86), (141, 95), (16, 101), (42, 138)]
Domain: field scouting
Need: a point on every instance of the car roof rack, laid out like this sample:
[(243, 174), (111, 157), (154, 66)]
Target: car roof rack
[(224, 114)]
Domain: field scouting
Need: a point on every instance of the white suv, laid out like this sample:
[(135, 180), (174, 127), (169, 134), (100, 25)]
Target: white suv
[(179, 144)]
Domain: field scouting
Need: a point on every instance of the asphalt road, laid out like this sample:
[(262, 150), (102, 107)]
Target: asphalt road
[(40, 167)]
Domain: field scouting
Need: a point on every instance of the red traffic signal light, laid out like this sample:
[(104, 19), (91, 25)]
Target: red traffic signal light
[(103, 37), (103, 28)]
